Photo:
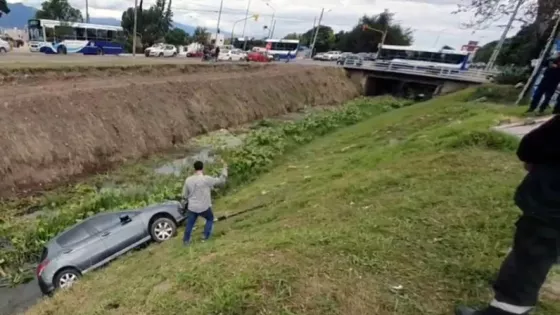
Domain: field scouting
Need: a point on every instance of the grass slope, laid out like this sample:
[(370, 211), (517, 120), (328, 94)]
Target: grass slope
[(406, 213)]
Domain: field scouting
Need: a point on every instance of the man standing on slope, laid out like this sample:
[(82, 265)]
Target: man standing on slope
[(197, 194), (547, 87), (536, 242)]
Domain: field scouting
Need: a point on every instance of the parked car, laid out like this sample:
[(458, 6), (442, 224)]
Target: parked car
[(232, 55), (259, 57), (367, 56), (4, 46), (353, 60), (342, 58), (321, 57), (332, 55), (161, 50), (99, 239)]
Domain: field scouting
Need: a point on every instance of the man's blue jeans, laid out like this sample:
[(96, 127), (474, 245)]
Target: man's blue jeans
[(191, 220)]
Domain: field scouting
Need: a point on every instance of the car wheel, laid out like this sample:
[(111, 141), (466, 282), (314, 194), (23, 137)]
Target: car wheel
[(160, 55), (66, 278), (3, 50), (162, 229), (61, 50)]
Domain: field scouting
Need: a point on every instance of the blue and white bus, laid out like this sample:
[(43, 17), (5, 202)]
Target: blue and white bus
[(282, 48), (58, 37), (410, 56)]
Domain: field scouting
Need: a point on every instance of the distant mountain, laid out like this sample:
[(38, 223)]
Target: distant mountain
[(21, 13), (18, 17)]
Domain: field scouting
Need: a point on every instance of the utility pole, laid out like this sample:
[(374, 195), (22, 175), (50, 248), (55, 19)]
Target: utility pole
[(134, 28), (273, 27), (543, 56), (311, 39), (245, 25), (317, 32), (219, 17), (498, 48), (87, 12)]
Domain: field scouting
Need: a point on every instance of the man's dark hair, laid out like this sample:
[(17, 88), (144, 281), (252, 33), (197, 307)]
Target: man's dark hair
[(198, 166)]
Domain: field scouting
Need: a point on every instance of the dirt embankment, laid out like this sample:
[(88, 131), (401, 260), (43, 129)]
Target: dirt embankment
[(58, 124)]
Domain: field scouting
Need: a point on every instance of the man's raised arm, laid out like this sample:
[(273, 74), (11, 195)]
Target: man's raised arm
[(220, 180)]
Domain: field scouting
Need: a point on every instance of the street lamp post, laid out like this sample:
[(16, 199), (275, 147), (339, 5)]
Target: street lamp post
[(87, 12), (383, 35), (496, 51), (233, 28), (271, 20), (317, 32), (134, 28), (273, 27), (438, 36), (219, 17), (245, 24)]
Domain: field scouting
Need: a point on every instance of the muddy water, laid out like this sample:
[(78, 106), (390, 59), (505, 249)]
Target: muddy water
[(205, 152)]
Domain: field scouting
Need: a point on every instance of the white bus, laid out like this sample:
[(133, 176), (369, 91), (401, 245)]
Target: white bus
[(410, 56), (282, 48), (58, 37)]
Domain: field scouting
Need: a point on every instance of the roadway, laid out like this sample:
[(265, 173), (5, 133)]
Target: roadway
[(19, 59)]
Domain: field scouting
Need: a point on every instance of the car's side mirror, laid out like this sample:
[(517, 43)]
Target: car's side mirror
[(125, 219)]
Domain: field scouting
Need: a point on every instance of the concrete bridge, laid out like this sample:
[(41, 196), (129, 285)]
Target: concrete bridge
[(377, 78)]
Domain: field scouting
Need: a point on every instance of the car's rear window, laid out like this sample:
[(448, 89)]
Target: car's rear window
[(44, 254)]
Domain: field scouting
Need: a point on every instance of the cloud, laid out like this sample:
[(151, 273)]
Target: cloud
[(431, 20)]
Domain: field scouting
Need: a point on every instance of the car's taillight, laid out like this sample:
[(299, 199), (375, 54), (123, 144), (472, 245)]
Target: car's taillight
[(41, 267)]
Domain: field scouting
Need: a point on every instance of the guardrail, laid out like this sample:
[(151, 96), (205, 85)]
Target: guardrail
[(479, 76)]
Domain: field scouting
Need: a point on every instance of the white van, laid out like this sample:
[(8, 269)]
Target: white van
[(4, 46)]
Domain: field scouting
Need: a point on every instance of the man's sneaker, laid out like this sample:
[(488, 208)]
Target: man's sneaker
[(463, 310), (187, 243)]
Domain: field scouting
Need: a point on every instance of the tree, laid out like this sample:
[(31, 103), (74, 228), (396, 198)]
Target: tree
[(200, 35), (518, 50), (367, 40), (59, 10), (152, 24), (177, 37), (325, 38), (292, 36), (4, 7), (486, 12)]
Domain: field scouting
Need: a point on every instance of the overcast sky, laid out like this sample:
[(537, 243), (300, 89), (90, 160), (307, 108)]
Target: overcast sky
[(432, 20)]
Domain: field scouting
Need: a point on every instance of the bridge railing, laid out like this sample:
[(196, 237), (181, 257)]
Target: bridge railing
[(477, 75)]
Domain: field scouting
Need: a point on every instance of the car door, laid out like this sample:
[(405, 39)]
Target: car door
[(119, 235), (80, 248)]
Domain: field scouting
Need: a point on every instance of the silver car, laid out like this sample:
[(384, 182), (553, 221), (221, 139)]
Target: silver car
[(99, 239)]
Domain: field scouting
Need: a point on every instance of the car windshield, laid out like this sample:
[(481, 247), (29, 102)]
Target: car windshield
[(36, 34)]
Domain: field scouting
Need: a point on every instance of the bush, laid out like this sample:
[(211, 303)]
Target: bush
[(504, 94), (513, 75)]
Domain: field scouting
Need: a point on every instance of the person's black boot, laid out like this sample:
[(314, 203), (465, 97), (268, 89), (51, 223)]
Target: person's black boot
[(463, 310)]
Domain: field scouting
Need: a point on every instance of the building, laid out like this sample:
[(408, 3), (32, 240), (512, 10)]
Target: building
[(216, 39)]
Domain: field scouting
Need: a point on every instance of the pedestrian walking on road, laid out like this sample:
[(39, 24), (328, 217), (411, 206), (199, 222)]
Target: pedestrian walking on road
[(536, 243), (197, 197), (217, 52), (547, 87)]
